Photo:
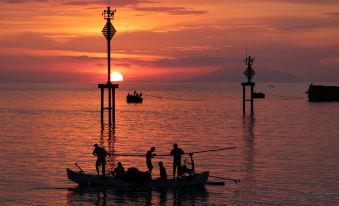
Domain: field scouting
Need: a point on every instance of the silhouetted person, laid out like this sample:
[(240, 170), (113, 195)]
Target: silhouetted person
[(163, 173), (101, 154), (149, 155), (134, 93), (119, 171), (176, 153)]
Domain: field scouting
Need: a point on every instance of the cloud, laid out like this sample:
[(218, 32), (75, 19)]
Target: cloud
[(196, 61), (309, 1), (333, 14), (297, 23), (114, 3), (294, 1), (13, 75), (22, 1), (171, 10)]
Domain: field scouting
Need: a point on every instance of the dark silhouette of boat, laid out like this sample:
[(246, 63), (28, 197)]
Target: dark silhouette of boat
[(90, 180), (259, 95), (320, 93), (135, 98)]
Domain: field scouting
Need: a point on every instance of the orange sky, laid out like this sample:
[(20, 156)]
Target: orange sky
[(61, 41)]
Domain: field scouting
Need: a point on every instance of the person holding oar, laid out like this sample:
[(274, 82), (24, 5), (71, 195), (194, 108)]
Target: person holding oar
[(101, 154), (149, 156), (176, 153)]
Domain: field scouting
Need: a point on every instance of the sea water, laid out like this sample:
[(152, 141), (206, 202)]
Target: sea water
[(286, 154)]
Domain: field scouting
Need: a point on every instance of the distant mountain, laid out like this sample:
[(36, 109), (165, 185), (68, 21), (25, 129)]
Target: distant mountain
[(261, 75)]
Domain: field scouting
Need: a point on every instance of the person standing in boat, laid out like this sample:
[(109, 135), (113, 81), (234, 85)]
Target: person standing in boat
[(149, 156), (163, 173), (101, 154), (176, 153)]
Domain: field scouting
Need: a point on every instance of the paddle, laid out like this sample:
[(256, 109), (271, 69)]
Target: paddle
[(76, 164), (234, 180)]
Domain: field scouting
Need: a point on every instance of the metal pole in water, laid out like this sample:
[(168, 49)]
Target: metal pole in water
[(113, 106), (108, 31), (249, 73)]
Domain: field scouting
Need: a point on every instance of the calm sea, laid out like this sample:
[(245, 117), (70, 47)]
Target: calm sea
[(287, 154)]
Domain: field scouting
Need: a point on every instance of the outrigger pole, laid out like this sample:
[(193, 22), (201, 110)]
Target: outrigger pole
[(162, 155), (224, 178)]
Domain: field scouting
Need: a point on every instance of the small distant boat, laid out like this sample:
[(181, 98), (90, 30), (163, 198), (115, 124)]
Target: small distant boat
[(88, 180), (320, 93), (259, 95), (135, 98)]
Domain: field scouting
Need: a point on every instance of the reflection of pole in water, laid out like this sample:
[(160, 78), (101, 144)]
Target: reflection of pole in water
[(109, 135), (249, 147), (248, 125)]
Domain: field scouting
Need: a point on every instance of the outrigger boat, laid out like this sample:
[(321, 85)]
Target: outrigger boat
[(135, 178), (90, 180)]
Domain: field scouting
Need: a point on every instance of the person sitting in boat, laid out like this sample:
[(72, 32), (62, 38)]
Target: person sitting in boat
[(176, 153), (119, 172), (101, 154), (185, 169), (149, 156), (163, 173)]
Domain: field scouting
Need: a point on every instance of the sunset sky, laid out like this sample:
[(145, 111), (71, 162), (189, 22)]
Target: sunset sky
[(61, 41)]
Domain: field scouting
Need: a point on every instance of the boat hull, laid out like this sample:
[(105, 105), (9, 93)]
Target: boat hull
[(87, 180), (319, 93), (134, 99)]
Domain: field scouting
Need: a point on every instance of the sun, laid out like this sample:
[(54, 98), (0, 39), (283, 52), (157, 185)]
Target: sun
[(116, 77)]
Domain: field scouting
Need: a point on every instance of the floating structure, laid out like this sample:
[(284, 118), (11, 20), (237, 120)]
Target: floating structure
[(259, 95), (249, 73), (320, 93), (108, 32)]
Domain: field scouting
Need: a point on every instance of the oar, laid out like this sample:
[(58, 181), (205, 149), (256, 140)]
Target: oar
[(234, 180), (215, 183), (76, 164)]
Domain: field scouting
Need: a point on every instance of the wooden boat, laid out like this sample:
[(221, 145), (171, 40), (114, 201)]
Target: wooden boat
[(134, 98), (259, 95), (320, 93), (89, 180)]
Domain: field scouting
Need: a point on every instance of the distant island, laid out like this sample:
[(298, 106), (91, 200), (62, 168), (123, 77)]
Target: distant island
[(262, 75)]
